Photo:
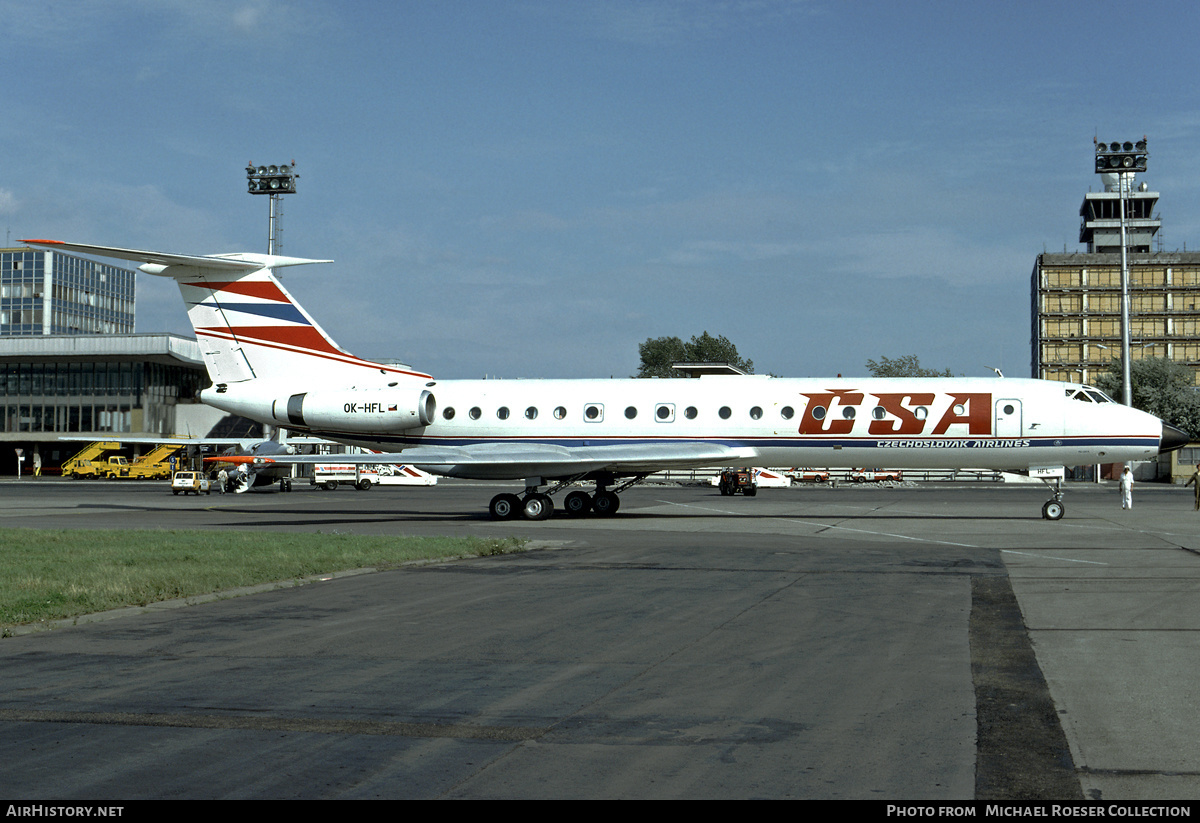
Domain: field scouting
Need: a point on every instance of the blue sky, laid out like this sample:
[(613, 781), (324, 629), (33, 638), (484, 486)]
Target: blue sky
[(532, 188)]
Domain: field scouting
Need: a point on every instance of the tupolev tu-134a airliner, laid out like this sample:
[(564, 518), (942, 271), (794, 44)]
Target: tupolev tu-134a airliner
[(271, 362)]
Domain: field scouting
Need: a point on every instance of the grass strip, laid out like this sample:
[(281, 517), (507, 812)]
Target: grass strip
[(55, 574)]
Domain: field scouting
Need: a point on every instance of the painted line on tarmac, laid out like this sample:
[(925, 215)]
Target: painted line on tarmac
[(1052, 557), (315, 725), (828, 526)]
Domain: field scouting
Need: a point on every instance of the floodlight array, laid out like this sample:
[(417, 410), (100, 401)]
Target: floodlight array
[(1120, 157), (271, 179)]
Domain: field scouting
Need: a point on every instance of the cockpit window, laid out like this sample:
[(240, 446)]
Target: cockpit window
[(1087, 394)]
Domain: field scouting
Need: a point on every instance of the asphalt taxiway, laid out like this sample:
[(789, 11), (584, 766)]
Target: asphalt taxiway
[(882, 643)]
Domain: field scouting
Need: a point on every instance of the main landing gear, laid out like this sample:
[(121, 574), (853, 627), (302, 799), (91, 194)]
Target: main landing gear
[(535, 505)]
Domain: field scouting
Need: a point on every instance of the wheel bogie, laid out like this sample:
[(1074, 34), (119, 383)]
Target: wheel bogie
[(605, 503), (577, 504), (504, 506), (537, 506)]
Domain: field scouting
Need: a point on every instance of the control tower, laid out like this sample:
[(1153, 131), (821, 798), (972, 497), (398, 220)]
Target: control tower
[(1100, 229)]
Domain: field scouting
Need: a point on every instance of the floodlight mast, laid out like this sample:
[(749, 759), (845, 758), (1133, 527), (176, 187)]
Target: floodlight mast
[(274, 181), (1124, 160)]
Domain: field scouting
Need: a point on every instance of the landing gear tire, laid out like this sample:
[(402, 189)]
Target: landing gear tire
[(605, 504), (537, 507), (504, 506), (577, 504), (1053, 510)]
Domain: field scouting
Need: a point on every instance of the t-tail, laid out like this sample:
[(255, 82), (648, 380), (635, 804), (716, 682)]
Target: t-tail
[(248, 326)]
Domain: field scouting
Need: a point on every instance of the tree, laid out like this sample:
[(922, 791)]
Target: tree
[(1160, 386), (658, 353), (905, 366)]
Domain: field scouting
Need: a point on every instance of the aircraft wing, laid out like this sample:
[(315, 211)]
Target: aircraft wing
[(244, 442), (519, 460)]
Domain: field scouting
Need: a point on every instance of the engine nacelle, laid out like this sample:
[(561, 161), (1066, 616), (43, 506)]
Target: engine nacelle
[(242, 480), (349, 410)]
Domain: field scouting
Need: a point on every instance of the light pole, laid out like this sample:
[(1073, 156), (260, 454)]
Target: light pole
[(273, 181), (1124, 160)]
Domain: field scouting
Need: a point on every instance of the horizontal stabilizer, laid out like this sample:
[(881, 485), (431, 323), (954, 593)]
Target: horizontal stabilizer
[(244, 261)]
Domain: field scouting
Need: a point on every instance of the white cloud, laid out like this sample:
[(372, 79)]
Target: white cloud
[(657, 22), (8, 202)]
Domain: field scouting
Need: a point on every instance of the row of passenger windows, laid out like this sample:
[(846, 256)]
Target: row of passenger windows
[(665, 412)]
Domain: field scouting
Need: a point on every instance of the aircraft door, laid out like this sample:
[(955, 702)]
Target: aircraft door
[(1008, 418)]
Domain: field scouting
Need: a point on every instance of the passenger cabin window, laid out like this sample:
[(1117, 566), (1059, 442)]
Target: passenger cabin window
[(690, 412), (725, 412), (664, 412), (787, 412), (502, 412), (593, 412), (630, 412), (848, 413), (560, 412), (475, 413), (448, 413), (756, 413), (531, 413)]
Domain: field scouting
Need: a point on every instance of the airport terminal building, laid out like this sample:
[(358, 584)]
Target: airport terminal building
[(73, 366), (1076, 298), (100, 387), (49, 292)]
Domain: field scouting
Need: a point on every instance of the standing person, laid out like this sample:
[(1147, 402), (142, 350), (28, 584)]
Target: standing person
[(37, 463), (1195, 481), (1126, 489), (222, 480)]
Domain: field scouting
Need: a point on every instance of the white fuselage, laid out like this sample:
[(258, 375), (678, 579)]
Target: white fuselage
[(270, 361), (1001, 423)]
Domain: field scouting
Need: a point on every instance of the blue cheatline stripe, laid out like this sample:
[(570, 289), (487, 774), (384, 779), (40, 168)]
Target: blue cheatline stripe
[(889, 444), (276, 311)]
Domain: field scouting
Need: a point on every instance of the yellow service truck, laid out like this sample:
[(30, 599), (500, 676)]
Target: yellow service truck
[(155, 465), (88, 463)]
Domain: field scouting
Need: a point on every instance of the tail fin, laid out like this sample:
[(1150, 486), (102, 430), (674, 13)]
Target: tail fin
[(247, 324)]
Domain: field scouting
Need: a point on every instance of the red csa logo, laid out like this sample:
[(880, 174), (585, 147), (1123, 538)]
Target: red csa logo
[(972, 408)]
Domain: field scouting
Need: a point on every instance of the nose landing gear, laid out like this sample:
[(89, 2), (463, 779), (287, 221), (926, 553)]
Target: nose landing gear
[(1054, 508)]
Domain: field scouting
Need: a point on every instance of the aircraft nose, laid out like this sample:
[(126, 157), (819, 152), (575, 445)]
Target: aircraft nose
[(1172, 439)]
